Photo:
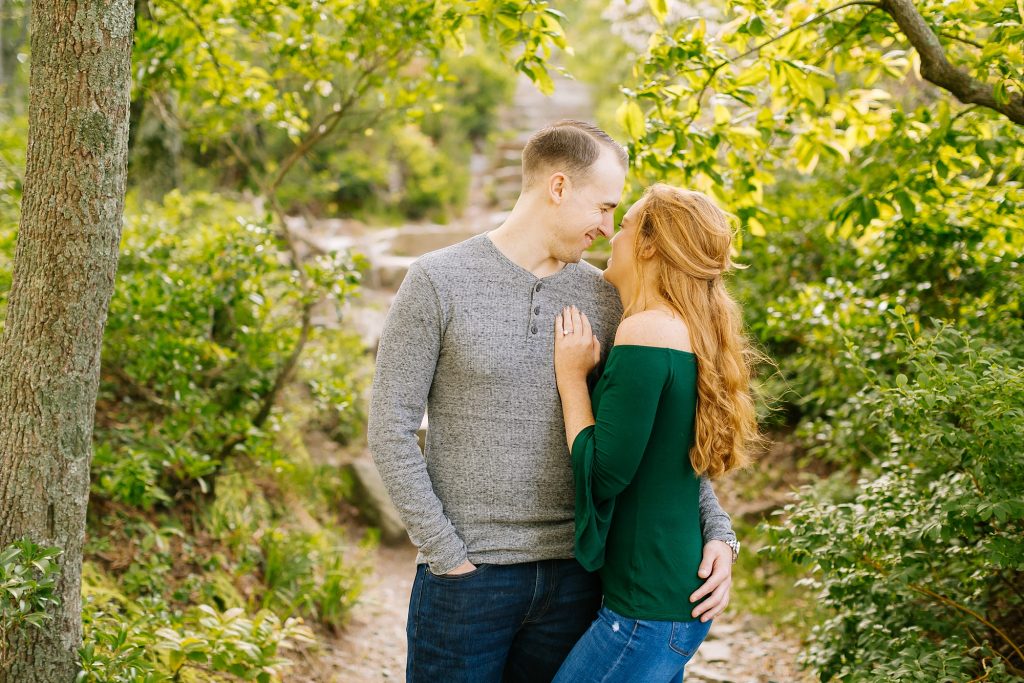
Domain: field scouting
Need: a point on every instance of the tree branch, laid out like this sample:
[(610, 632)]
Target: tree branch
[(965, 41), (923, 590), (207, 43), (133, 388), (936, 68), (757, 48), (815, 18), (846, 35), (325, 126)]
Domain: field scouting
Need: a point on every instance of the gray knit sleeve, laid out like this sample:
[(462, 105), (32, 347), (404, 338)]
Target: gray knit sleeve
[(406, 359), (715, 522)]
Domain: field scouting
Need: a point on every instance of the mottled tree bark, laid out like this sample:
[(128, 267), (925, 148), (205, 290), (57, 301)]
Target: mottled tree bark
[(65, 262)]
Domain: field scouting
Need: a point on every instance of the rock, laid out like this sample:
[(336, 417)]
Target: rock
[(721, 629), (389, 271), (706, 674), (715, 651), (370, 496), (421, 434)]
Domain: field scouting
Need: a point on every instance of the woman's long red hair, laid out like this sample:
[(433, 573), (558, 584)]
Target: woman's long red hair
[(688, 238)]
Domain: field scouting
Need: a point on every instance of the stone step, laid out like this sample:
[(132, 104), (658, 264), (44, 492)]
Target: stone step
[(513, 156), (417, 242), (388, 271), (703, 674), (373, 502), (510, 175)]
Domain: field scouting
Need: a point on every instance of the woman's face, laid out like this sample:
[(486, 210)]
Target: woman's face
[(620, 270)]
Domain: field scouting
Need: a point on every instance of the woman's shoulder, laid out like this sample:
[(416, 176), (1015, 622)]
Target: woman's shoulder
[(653, 328)]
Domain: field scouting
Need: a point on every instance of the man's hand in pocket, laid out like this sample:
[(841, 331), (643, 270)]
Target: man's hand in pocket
[(464, 568)]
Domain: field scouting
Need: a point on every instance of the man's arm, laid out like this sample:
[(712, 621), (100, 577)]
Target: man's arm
[(406, 360), (714, 521), (716, 564)]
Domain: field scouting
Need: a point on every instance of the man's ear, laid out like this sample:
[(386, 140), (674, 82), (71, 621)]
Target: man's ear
[(558, 183)]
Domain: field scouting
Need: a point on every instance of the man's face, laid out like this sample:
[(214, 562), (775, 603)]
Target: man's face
[(588, 208)]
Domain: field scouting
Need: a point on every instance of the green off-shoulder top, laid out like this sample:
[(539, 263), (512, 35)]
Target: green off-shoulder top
[(637, 515)]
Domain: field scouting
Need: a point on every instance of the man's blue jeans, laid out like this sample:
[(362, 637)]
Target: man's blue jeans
[(618, 649), (500, 623)]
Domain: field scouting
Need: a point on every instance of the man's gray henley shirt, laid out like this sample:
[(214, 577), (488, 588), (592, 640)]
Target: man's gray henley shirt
[(470, 338)]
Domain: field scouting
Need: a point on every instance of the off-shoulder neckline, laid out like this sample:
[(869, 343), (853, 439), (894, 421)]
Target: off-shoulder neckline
[(654, 348)]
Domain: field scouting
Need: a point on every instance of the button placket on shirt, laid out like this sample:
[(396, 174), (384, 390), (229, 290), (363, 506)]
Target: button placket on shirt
[(534, 328)]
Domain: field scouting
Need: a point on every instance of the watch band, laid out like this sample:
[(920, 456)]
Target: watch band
[(735, 545)]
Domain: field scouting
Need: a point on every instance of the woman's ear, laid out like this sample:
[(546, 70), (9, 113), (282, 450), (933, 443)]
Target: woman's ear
[(647, 252)]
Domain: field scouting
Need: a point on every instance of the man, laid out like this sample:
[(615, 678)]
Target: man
[(497, 594)]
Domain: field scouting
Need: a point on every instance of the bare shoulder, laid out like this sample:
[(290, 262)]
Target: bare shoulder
[(654, 328)]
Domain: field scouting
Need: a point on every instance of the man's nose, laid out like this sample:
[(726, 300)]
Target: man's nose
[(608, 227)]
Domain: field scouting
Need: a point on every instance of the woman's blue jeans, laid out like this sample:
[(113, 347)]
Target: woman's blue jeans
[(617, 649)]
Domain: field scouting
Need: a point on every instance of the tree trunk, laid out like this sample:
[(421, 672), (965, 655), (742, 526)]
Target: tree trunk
[(65, 262)]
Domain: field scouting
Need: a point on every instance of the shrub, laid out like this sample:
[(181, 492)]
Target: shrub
[(203, 320), (147, 642), (338, 374), (308, 573), (28, 574), (920, 563)]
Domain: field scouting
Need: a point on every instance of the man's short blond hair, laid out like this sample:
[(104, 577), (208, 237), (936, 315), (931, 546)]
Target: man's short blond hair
[(569, 146)]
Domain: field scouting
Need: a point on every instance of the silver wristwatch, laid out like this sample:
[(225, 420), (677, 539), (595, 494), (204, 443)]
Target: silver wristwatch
[(735, 545)]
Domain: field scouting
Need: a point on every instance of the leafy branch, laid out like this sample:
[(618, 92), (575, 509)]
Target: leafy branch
[(937, 69)]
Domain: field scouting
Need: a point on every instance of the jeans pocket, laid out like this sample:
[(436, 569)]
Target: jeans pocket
[(687, 636), (455, 578)]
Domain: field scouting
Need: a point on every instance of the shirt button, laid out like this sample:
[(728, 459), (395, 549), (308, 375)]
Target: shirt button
[(537, 288), (535, 329), (536, 311)]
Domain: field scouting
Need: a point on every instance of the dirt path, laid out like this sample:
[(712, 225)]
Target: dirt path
[(372, 647), (739, 649)]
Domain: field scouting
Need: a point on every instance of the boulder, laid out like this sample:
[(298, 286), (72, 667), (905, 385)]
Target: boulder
[(373, 502)]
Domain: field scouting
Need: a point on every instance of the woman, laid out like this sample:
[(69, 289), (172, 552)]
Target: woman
[(673, 403)]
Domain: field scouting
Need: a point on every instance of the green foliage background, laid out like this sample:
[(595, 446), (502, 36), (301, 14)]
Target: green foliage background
[(216, 542), (883, 225), (881, 220)]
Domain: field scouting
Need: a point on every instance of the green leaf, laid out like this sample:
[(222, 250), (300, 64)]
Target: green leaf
[(753, 75), (722, 115), (510, 21), (756, 227), (906, 204), (660, 9), (631, 118), (1000, 92), (544, 82)]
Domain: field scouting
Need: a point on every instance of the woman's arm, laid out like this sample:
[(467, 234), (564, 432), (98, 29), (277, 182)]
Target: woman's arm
[(576, 408), (615, 438), (606, 449), (577, 352)]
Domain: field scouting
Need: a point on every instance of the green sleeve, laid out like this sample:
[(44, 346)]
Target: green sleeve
[(605, 456)]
